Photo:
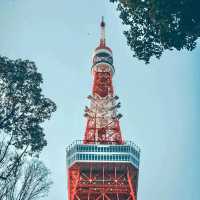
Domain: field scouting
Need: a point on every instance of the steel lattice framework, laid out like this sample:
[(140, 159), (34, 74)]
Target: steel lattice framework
[(103, 165)]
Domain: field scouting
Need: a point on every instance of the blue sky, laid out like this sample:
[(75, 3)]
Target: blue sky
[(160, 102)]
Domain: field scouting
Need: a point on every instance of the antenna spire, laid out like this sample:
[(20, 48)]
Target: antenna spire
[(102, 39)]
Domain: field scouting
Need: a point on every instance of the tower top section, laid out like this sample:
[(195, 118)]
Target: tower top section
[(103, 54), (102, 44), (102, 38)]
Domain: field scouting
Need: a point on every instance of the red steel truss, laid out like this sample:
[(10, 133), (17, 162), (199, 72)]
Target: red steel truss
[(102, 180)]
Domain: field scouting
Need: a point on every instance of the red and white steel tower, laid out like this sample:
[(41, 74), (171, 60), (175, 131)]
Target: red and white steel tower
[(103, 166)]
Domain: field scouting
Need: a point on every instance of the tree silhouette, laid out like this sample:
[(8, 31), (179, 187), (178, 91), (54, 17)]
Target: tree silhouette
[(23, 107), (30, 181), (153, 26)]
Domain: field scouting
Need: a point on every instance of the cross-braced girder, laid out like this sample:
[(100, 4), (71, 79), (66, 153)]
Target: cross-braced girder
[(102, 117), (105, 181)]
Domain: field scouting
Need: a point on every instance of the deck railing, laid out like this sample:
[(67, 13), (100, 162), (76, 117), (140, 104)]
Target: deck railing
[(98, 152)]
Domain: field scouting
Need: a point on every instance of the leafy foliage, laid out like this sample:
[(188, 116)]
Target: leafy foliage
[(156, 25), (23, 107)]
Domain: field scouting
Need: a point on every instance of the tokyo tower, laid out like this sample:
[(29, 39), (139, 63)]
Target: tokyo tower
[(102, 166)]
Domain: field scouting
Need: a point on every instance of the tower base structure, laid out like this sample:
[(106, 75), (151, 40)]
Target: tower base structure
[(99, 172)]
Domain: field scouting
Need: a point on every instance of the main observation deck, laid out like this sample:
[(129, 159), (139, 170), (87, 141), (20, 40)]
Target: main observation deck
[(78, 152)]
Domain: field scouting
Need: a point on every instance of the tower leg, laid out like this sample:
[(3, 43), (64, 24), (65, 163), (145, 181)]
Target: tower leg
[(132, 189), (74, 178)]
